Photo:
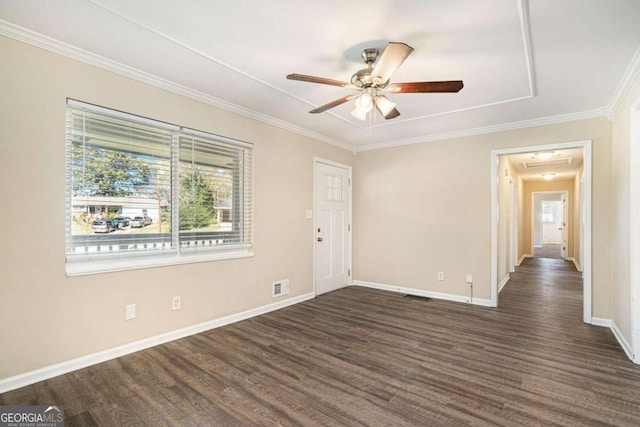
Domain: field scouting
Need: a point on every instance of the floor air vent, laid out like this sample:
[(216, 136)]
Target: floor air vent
[(418, 297)]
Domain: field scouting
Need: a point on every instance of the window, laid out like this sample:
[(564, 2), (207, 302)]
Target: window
[(143, 193), (548, 212)]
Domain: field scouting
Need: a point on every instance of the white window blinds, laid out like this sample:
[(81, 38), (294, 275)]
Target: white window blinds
[(137, 186), (215, 191)]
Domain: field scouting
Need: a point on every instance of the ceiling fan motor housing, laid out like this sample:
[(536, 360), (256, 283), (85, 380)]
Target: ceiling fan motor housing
[(362, 78), (370, 55)]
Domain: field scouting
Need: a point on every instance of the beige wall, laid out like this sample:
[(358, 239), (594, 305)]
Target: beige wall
[(507, 176), (423, 208), (417, 209), (49, 318), (545, 186), (621, 263)]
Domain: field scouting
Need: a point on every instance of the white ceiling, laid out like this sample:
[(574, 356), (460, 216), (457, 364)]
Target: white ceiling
[(563, 164), (522, 62)]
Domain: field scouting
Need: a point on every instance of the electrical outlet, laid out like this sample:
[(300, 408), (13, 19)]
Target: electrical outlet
[(130, 312), (469, 278), (440, 275), (175, 303)]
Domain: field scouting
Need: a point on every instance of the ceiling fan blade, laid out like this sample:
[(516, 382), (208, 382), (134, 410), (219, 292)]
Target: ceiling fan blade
[(426, 87), (321, 80), (392, 57), (332, 104)]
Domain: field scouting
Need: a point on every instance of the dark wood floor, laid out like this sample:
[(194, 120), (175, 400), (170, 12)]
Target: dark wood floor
[(372, 358), (548, 250)]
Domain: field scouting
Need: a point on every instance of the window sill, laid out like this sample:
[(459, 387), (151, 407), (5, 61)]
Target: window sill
[(113, 264)]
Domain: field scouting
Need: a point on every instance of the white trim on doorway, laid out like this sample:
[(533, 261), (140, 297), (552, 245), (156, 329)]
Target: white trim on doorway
[(634, 229), (513, 234), (586, 265)]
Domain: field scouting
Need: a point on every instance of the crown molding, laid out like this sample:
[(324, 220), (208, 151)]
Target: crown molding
[(627, 80), (52, 45), (39, 40), (600, 112)]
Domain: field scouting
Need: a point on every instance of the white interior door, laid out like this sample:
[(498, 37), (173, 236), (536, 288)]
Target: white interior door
[(332, 226)]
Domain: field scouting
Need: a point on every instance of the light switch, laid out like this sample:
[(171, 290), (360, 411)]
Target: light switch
[(309, 214)]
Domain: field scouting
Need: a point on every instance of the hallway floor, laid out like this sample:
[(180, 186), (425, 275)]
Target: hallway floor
[(548, 250)]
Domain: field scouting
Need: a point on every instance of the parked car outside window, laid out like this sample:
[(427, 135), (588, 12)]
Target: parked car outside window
[(103, 226), (121, 222), (140, 221)]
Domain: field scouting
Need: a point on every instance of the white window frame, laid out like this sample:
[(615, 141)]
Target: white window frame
[(550, 216), (93, 263)]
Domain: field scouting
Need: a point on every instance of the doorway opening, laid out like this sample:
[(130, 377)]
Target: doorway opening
[(503, 217), (550, 224)]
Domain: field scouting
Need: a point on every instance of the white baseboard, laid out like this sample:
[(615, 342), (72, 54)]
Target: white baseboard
[(608, 323), (503, 283), (622, 340), (27, 378), (598, 321), (523, 257), (423, 293), (575, 262)]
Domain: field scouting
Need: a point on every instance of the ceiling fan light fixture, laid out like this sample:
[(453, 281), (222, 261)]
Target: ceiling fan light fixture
[(360, 115), (364, 103), (384, 105)]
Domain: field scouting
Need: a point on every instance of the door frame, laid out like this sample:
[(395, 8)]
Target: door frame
[(316, 161), (515, 226), (634, 229), (586, 150), (565, 219)]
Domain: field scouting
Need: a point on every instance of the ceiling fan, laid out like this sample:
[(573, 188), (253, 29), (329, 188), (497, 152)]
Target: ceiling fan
[(370, 81)]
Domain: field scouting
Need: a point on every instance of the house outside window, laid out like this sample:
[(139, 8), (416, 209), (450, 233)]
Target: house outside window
[(144, 192)]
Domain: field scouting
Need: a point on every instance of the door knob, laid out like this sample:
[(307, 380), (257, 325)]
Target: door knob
[(319, 239)]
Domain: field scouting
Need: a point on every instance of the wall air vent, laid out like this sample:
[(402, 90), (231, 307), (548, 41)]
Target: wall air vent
[(281, 287), (565, 161)]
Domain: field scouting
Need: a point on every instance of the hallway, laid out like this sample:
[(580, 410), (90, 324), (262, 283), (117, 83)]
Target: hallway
[(542, 288)]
